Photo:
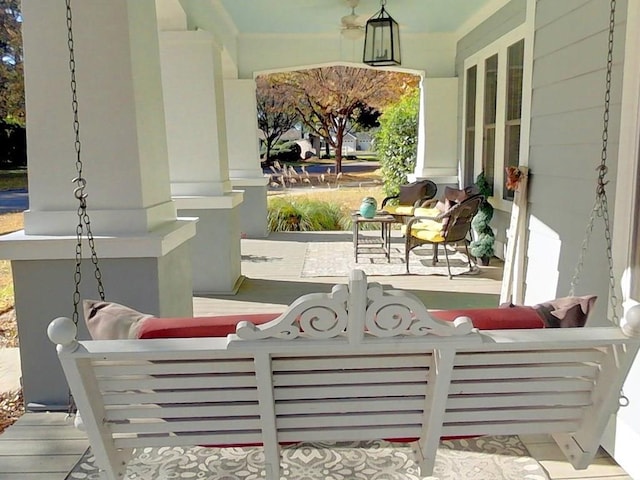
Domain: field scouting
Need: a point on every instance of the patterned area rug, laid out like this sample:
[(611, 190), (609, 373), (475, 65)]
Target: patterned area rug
[(335, 259), (485, 458)]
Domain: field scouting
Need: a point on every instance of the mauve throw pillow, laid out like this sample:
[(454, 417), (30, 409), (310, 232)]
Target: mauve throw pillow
[(112, 321), (567, 311), (563, 312)]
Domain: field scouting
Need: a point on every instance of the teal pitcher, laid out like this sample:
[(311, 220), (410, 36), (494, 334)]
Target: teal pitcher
[(368, 207)]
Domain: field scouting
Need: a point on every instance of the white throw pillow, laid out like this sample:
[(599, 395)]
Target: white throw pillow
[(112, 321)]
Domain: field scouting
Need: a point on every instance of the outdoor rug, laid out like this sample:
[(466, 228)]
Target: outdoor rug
[(335, 259), (484, 458)]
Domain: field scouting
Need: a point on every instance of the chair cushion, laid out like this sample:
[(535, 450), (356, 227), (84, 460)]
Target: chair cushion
[(433, 236), (427, 212), (399, 209), (431, 225)]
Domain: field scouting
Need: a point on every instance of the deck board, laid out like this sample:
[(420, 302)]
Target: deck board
[(40, 446)]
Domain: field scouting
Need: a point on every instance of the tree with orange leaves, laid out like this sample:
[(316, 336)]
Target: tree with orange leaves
[(330, 100)]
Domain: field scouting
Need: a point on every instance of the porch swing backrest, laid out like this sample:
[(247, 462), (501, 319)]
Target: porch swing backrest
[(356, 364)]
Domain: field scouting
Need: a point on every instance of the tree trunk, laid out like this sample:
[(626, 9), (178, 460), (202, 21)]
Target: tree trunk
[(339, 138)]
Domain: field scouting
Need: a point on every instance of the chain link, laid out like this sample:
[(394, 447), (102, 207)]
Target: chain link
[(84, 222), (601, 204)]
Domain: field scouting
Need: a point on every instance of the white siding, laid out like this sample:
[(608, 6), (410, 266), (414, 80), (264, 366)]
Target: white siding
[(570, 55)]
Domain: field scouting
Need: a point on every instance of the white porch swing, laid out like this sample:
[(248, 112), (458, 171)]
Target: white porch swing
[(359, 363)]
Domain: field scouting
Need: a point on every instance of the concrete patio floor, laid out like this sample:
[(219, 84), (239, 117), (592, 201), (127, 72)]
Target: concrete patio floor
[(45, 446), (273, 269)]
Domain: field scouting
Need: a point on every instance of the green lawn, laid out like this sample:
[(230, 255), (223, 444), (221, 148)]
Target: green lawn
[(12, 179)]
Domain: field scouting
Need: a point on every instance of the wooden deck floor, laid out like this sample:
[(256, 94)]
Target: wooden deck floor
[(45, 446)]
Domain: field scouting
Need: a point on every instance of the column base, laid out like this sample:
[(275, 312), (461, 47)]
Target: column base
[(152, 276), (253, 211), (216, 247)]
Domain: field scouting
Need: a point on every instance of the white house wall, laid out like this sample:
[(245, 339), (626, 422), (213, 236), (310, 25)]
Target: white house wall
[(570, 54), (432, 53)]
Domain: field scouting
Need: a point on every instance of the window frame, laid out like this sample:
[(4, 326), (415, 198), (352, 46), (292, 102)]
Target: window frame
[(478, 59)]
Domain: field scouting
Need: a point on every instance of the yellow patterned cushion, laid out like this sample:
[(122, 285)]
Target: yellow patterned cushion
[(428, 235), (430, 225), (399, 209), (427, 212)]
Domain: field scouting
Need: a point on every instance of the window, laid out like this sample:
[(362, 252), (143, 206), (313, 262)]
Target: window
[(489, 125), (470, 120), (492, 116), (515, 65)]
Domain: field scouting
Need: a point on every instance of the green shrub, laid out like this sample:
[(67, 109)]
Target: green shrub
[(300, 214), (482, 246), (287, 214), (396, 142)]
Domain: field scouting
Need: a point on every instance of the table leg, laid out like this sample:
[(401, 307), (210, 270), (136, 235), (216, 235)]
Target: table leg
[(387, 239), (355, 226)]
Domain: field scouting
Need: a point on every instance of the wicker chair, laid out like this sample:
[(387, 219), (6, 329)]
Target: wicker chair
[(411, 196), (429, 226)]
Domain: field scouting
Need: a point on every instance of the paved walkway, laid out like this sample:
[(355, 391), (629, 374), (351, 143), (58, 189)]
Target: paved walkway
[(13, 200), (273, 269)]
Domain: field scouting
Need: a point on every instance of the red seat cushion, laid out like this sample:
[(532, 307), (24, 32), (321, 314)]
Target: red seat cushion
[(218, 326), (495, 318), (223, 325)]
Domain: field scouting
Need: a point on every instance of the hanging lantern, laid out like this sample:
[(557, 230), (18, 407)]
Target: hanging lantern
[(382, 40)]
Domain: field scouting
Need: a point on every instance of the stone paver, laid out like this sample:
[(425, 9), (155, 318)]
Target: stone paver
[(10, 371)]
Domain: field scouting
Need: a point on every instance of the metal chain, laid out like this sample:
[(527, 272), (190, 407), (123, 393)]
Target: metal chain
[(84, 222), (601, 204)]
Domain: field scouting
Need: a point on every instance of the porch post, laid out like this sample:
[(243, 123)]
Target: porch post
[(142, 245), (244, 155), (437, 132), (198, 158)]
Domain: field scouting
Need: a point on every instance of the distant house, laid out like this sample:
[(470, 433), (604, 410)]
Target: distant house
[(365, 141), (349, 143)]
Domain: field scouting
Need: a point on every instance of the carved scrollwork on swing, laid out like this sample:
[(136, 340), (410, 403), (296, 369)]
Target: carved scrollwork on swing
[(395, 312), (318, 315), (364, 307)]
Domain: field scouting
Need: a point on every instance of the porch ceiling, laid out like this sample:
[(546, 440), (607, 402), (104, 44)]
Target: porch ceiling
[(323, 16)]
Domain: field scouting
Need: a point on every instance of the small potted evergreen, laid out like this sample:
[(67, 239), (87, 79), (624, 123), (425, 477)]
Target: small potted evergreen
[(482, 246)]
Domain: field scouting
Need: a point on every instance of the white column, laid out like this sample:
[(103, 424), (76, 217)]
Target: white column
[(244, 155), (198, 156), (437, 132), (121, 116), (142, 246)]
